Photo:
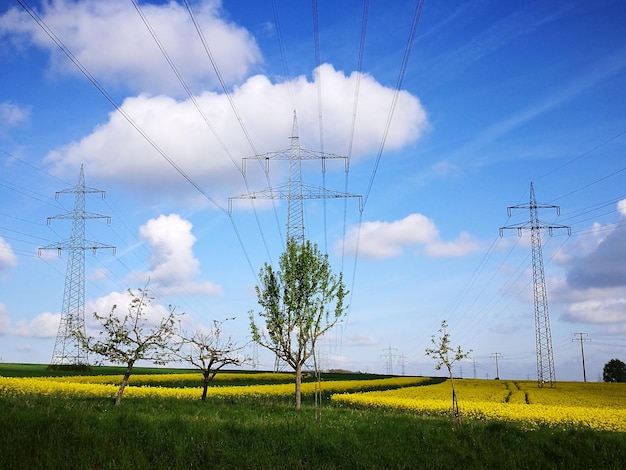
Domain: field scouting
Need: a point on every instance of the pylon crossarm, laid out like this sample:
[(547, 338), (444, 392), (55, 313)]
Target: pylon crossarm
[(83, 215)]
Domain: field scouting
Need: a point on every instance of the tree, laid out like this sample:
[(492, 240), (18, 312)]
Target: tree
[(614, 371), (301, 301), (129, 338), (446, 355), (210, 352)]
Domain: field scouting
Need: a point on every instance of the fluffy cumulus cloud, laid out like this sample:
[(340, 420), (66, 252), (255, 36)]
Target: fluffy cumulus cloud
[(598, 310), (202, 136), (153, 312), (379, 240), (173, 265), (596, 277), (603, 267), (11, 115), (5, 321), (600, 263), (212, 153), (112, 42), (7, 257), (44, 325)]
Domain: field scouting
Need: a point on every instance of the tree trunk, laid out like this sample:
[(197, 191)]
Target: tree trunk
[(205, 384), (298, 384), (456, 415), (120, 392)]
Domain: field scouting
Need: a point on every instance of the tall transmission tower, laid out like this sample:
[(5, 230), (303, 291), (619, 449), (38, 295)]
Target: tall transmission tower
[(295, 191), (389, 355), (67, 348), (543, 337)]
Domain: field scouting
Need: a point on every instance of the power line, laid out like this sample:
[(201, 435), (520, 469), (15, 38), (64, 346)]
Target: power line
[(128, 118), (405, 60), (193, 99)]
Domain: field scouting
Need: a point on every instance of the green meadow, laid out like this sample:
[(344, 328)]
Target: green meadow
[(91, 433)]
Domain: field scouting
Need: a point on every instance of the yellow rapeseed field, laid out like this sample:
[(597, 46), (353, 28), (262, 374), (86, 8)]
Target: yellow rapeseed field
[(594, 405), (148, 379), (106, 386)]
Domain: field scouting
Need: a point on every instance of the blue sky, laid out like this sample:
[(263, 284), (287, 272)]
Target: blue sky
[(494, 96)]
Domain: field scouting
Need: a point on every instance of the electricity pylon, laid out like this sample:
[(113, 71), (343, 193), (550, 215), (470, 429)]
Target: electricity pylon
[(67, 348), (295, 191), (543, 337)]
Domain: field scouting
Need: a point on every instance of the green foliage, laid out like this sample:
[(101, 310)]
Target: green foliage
[(443, 352), (614, 371), (446, 355), (301, 301)]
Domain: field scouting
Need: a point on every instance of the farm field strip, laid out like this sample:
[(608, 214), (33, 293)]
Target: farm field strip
[(148, 379), (597, 406), (53, 386)]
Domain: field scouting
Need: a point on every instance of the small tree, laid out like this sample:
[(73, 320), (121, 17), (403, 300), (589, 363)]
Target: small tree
[(614, 371), (129, 338), (446, 355), (301, 301), (210, 352)]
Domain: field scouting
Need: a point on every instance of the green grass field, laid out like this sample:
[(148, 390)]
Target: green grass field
[(63, 432)]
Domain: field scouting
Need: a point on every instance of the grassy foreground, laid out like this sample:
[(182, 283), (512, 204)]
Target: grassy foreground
[(42, 432), (39, 431)]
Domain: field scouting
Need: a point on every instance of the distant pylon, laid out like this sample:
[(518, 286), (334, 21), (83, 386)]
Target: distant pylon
[(295, 192), (67, 348), (543, 337)]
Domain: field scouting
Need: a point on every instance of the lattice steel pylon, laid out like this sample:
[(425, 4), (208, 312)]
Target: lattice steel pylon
[(295, 191), (543, 337), (67, 348)]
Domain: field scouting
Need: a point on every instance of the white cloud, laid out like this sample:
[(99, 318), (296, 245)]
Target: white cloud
[(601, 310), (462, 246), (5, 321), (99, 274), (7, 257), (621, 207), (379, 240), (154, 311), (603, 267), (111, 41), (172, 262), (359, 339), (118, 153), (11, 115), (592, 288), (44, 325)]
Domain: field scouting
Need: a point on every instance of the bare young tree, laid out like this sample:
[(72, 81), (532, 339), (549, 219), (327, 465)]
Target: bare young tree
[(209, 351), (132, 337), (301, 301), (446, 355)]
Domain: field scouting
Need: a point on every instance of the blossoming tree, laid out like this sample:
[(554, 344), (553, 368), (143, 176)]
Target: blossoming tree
[(125, 339)]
